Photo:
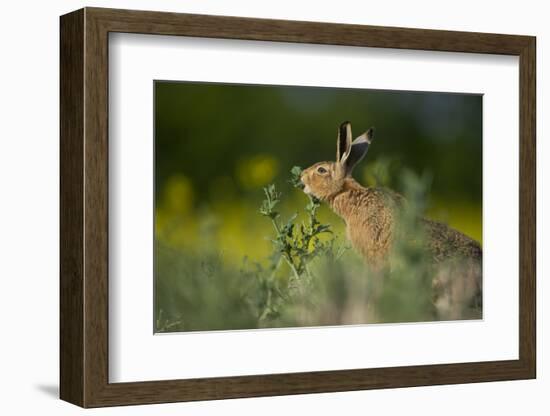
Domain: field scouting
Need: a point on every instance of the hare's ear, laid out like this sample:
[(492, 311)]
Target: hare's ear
[(343, 144), (358, 150)]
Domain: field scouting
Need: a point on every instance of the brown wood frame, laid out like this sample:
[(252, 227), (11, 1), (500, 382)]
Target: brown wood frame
[(84, 207)]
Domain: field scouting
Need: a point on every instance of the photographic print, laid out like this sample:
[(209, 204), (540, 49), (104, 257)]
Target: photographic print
[(327, 181), (293, 206)]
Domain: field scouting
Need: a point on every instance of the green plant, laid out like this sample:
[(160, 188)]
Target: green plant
[(310, 277), (297, 245), (406, 295)]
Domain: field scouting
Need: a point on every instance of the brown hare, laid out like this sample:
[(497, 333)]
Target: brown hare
[(372, 215)]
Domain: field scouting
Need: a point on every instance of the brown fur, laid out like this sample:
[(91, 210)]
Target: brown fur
[(371, 216), (369, 213)]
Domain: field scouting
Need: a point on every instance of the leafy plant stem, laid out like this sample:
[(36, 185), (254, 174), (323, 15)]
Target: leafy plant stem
[(285, 255)]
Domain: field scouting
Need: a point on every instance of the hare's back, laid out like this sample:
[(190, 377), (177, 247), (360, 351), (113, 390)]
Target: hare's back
[(447, 243)]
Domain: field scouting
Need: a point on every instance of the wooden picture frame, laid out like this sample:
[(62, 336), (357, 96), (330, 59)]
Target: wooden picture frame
[(84, 207)]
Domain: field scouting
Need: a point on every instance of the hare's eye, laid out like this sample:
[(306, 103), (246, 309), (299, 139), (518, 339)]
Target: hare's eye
[(321, 170)]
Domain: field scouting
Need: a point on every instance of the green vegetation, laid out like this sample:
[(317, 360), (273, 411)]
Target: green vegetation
[(310, 278)]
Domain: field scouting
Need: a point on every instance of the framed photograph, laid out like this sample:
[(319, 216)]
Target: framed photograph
[(257, 207)]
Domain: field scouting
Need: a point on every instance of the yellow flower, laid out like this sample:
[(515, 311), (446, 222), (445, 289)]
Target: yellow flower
[(256, 171), (177, 197)]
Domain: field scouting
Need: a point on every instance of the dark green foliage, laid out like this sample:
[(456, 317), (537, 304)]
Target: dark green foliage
[(203, 130)]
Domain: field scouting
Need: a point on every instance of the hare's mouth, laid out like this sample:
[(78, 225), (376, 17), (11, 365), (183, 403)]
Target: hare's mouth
[(307, 190)]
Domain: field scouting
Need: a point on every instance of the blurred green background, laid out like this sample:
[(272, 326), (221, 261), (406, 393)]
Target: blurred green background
[(218, 145)]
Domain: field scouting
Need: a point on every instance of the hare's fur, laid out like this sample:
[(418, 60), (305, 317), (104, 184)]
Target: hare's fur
[(372, 214)]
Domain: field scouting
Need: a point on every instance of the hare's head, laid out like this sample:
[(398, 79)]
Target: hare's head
[(325, 179)]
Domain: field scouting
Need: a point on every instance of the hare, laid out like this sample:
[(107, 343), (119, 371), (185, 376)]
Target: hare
[(371, 215)]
